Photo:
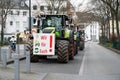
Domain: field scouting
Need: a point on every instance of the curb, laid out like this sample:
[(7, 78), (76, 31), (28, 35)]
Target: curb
[(12, 60), (115, 50), (112, 49), (43, 77)]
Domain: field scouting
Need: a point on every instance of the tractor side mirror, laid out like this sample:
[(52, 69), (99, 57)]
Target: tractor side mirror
[(70, 20), (39, 23)]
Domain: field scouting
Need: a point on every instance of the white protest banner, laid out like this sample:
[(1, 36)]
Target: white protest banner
[(44, 44)]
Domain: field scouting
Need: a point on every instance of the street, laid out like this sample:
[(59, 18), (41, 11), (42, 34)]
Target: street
[(60, 40), (94, 60)]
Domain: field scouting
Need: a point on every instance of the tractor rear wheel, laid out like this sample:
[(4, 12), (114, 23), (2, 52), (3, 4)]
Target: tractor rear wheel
[(63, 52), (81, 45), (29, 47)]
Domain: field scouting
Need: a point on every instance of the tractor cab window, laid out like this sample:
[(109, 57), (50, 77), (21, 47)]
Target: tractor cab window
[(51, 21)]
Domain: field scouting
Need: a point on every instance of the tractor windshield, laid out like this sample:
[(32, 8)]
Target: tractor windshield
[(51, 21)]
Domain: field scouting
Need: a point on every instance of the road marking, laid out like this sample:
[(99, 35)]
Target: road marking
[(44, 75), (82, 65)]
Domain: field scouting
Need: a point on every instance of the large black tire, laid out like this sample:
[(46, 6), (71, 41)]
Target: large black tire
[(29, 47), (71, 51), (71, 45), (63, 52), (76, 48), (81, 45)]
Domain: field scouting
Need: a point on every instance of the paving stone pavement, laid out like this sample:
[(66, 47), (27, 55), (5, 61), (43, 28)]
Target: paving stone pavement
[(8, 74), (57, 76), (11, 59)]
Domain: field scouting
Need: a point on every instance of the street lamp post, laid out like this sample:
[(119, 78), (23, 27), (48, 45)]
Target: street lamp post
[(30, 16)]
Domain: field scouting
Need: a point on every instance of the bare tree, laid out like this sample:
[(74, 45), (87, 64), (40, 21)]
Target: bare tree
[(114, 8), (55, 5), (105, 13), (5, 8)]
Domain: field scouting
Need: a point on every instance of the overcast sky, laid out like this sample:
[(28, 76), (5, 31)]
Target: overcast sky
[(76, 3)]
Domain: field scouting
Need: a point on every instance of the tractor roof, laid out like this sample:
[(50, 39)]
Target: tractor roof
[(59, 15), (56, 15)]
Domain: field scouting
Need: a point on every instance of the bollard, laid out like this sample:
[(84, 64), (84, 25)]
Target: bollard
[(4, 59), (24, 49), (18, 49), (28, 66), (9, 52), (17, 66), (0, 53)]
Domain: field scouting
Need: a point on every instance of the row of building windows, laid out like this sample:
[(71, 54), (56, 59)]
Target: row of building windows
[(35, 7), (17, 23), (24, 13)]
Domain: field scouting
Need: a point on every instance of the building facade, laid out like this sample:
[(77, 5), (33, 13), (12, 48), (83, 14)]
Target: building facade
[(92, 32), (17, 19)]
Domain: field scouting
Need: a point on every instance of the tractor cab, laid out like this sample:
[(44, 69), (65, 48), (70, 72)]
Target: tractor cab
[(54, 24)]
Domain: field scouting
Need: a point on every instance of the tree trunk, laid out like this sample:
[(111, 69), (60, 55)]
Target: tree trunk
[(109, 29), (113, 32), (117, 24), (2, 29), (102, 27)]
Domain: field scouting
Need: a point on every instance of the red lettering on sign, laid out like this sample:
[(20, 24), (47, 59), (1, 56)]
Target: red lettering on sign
[(51, 40), (43, 37), (50, 50), (43, 51), (43, 44)]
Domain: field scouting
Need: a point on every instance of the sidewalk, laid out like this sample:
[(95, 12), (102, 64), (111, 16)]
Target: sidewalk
[(10, 58), (110, 48), (8, 74), (57, 76)]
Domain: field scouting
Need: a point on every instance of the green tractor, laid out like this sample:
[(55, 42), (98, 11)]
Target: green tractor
[(80, 38), (64, 37)]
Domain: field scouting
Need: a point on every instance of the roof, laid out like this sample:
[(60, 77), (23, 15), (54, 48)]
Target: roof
[(20, 4), (57, 15)]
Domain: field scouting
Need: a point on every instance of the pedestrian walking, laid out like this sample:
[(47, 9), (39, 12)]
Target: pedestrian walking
[(13, 43)]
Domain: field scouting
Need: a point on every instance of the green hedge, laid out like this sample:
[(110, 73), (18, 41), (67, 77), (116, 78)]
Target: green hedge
[(4, 43), (116, 45), (103, 40), (108, 44)]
